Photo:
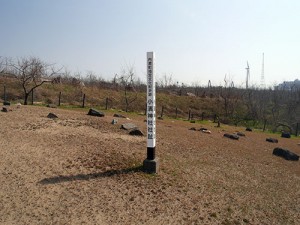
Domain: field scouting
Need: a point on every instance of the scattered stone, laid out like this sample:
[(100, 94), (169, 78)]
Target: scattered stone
[(206, 131), (240, 134), (286, 154), (232, 136), (202, 129), (6, 103), (114, 121), (272, 140), (52, 116), (94, 112), (285, 135), (136, 132), (19, 105), (4, 109), (51, 106), (128, 126), (248, 129), (192, 128), (119, 115)]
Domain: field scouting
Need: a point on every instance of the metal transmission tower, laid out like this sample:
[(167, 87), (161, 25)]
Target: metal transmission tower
[(262, 78), (247, 75)]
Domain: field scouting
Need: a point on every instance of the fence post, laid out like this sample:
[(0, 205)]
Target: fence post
[(176, 113), (106, 104), (4, 94), (162, 112), (265, 123), (32, 97), (215, 118), (83, 101), (59, 97), (189, 115)]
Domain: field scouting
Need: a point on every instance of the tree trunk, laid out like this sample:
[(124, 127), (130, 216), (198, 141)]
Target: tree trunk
[(26, 98)]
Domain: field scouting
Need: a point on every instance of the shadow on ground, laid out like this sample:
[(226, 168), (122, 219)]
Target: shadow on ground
[(90, 176)]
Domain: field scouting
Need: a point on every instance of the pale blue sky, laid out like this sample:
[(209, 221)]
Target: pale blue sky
[(194, 40)]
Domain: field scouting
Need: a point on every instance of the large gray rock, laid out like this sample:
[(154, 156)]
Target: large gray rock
[(136, 132), (240, 134), (119, 115), (272, 140), (286, 154), (94, 112), (232, 136), (52, 116), (128, 126), (285, 135)]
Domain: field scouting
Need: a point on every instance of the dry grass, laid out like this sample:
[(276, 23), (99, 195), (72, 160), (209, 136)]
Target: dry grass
[(83, 170)]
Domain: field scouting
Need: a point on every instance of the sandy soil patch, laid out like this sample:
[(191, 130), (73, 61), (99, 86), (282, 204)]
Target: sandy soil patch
[(79, 169)]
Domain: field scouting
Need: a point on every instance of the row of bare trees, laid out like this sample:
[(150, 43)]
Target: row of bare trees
[(277, 107)]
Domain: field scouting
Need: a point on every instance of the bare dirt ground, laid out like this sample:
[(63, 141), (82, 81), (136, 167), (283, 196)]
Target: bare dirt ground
[(79, 169)]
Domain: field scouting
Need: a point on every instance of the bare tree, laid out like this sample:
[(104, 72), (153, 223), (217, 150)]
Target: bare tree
[(31, 73), (1, 65), (127, 82), (166, 81)]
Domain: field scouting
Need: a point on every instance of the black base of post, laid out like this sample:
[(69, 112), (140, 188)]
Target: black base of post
[(151, 165)]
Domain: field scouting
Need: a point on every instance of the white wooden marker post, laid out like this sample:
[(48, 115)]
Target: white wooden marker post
[(151, 163)]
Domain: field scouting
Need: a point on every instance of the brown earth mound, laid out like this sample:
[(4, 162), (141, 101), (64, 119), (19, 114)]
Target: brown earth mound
[(79, 169)]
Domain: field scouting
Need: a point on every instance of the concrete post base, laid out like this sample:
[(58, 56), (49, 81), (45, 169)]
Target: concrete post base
[(151, 166)]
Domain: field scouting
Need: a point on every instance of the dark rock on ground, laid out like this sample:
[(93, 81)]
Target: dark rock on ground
[(240, 134), (202, 129), (128, 126), (232, 136), (119, 115), (286, 154), (192, 128), (160, 118), (136, 132), (273, 140), (6, 103), (52, 116), (4, 109), (248, 129), (94, 112), (285, 135)]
